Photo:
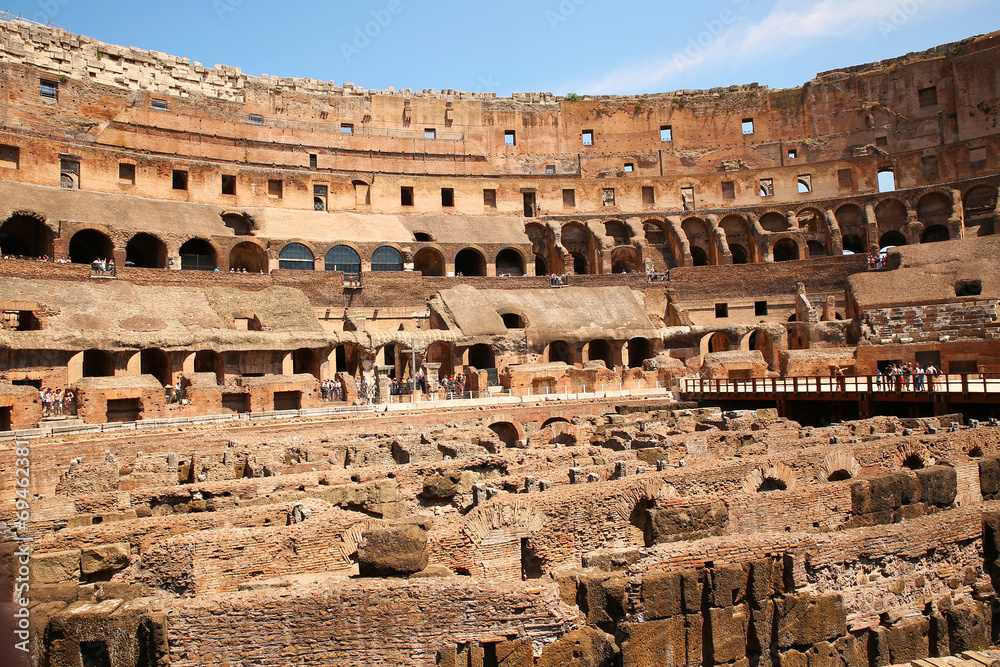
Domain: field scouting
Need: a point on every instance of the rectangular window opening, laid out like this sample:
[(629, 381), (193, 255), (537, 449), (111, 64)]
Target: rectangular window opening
[(721, 310), (629, 167), (48, 89), (881, 142), (748, 126), (530, 204), (569, 198), (430, 133), (687, 198), (489, 198), (126, 173), (406, 195), (255, 119), (648, 195), (69, 174), (228, 184), (928, 97), (588, 137), (666, 133), (760, 308), (767, 187), (313, 160), (179, 179), (886, 180), (793, 153), (608, 196), (346, 128), (447, 197), (550, 169), (509, 138), (729, 190), (275, 188), (158, 105), (805, 183), (10, 157), (319, 197)]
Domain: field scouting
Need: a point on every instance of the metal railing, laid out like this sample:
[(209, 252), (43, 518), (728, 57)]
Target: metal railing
[(961, 383)]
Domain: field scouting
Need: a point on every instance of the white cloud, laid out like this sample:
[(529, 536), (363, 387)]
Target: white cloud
[(791, 26)]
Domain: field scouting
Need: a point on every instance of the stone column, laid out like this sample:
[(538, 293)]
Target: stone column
[(383, 380), (431, 376)]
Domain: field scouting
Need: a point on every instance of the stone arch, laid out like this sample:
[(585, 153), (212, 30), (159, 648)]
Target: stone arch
[(601, 350), (507, 430), (209, 361), (513, 318), (347, 358), (470, 262), (935, 234), (248, 255), (582, 246), (699, 239), (429, 261), (387, 258), (509, 261), (89, 244), (198, 254), (912, 456), (890, 215), (343, 257), (559, 434), (716, 341), (547, 260), (659, 236), (935, 208), (798, 340), (812, 221), (98, 363), (979, 206), (559, 350), (25, 233), (440, 352), (240, 223), (853, 228), (296, 256), (786, 249), (840, 465), (482, 356), (146, 251), (893, 238), (554, 420), (761, 341), (774, 222), (771, 477), (625, 259), (513, 515), (631, 505), (738, 237), (619, 231), (638, 350), (305, 361)]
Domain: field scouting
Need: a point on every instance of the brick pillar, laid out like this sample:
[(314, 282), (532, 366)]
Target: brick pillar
[(431, 376), (383, 380)]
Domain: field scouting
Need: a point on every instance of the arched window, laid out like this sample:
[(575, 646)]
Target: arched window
[(387, 258), (197, 255), (296, 257), (343, 258)]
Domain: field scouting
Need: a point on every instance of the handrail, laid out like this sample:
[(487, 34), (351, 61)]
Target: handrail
[(964, 383)]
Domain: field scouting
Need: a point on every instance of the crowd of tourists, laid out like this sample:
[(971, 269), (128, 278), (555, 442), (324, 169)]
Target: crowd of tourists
[(57, 402), (877, 260), (901, 377), (407, 385), (332, 390), (103, 267), (657, 276), (556, 280)]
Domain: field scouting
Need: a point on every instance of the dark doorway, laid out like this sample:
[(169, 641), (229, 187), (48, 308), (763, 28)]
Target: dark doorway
[(207, 361), (155, 362), (88, 245), (97, 363), (481, 357), (25, 235), (197, 255), (146, 251), (469, 262)]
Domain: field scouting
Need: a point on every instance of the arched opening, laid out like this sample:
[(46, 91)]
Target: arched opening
[(296, 257), (638, 350), (559, 350), (698, 257), (387, 258), (761, 342), (208, 361), (891, 239), (198, 255), (156, 363), (554, 420), (88, 245), (641, 528), (772, 484), (98, 364), (719, 342), (774, 222), (580, 243), (624, 260), (838, 476), (441, 353), (347, 359), (890, 215), (619, 231), (601, 350), (913, 462), (854, 243), (798, 340), (481, 356), (510, 263), (469, 262), (934, 208), (541, 267), (935, 234), (24, 235), (786, 250), (811, 221), (579, 264), (305, 361), (249, 257), (342, 258), (146, 251), (817, 249), (513, 320), (653, 233), (429, 262), (739, 254), (506, 433)]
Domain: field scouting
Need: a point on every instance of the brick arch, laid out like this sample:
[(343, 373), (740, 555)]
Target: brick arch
[(778, 472), (838, 461), (513, 515), (35, 215), (909, 451), (367, 257), (327, 247), (777, 237), (76, 227)]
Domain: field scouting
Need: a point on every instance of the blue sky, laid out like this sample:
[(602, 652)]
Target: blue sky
[(559, 46)]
